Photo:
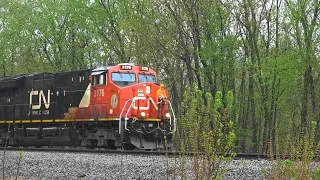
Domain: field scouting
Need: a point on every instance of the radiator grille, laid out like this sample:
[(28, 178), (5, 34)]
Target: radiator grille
[(103, 111)]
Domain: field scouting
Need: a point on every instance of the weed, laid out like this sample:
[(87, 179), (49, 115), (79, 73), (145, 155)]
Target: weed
[(207, 132), (19, 160), (4, 152), (298, 155)]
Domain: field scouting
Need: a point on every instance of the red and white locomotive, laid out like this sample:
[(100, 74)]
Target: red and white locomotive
[(111, 106)]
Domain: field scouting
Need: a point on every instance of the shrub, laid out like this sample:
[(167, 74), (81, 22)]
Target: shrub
[(206, 129)]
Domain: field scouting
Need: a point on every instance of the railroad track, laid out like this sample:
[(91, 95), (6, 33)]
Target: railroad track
[(131, 152)]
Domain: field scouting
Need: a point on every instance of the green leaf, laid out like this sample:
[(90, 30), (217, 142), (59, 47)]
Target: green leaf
[(21, 154)]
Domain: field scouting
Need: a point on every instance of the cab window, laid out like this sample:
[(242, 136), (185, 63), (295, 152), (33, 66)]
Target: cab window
[(147, 78), (99, 79), (123, 77)]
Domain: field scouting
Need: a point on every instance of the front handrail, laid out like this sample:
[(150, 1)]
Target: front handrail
[(133, 101), (125, 104), (126, 117)]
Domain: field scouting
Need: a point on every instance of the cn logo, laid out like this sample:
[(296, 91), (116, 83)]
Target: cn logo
[(42, 98)]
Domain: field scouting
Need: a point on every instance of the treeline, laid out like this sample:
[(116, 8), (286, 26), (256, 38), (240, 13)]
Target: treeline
[(265, 52)]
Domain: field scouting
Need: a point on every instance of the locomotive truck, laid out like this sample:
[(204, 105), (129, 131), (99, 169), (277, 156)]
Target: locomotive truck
[(109, 107)]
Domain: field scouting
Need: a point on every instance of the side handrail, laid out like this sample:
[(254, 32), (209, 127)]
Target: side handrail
[(174, 118), (125, 104)]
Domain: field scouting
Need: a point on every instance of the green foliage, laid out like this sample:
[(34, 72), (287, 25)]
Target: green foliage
[(218, 100), (264, 172), (317, 174), (21, 154), (288, 162), (207, 129), (301, 155), (210, 43)]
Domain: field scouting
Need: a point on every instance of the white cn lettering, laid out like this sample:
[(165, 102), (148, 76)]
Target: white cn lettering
[(46, 101)]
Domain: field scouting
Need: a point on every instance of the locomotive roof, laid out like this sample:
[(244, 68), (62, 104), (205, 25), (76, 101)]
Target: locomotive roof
[(11, 81), (21, 76), (40, 74), (99, 70), (103, 68), (16, 77), (73, 71), (10, 78), (94, 71)]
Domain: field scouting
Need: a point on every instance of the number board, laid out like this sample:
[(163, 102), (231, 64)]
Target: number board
[(144, 68), (126, 67)]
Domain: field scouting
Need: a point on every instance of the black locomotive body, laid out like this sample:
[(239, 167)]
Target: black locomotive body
[(33, 108)]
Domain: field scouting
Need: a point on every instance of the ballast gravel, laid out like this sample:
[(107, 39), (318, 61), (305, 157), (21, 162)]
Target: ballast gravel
[(62, 165)]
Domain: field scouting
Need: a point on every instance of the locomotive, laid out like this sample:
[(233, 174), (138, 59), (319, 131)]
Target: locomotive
[(114, 106)]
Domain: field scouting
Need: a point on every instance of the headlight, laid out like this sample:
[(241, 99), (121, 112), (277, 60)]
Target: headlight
[(168, 115), (143, 114)]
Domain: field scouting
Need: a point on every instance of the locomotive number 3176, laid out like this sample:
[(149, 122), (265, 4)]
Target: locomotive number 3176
[(98, 93)]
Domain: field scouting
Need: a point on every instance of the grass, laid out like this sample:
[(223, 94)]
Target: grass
[(4, 153), (4, 157), (298, 156)]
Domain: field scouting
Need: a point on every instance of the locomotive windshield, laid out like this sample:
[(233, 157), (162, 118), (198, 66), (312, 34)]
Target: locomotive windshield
[(123, 77), (147, 78)]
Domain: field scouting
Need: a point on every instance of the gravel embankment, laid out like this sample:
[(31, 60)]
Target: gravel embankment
[(45, 165)]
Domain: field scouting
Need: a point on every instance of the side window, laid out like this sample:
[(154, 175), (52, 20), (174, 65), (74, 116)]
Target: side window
[(99, 79)]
